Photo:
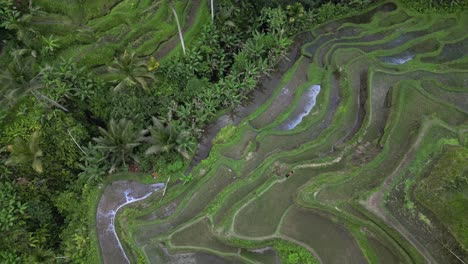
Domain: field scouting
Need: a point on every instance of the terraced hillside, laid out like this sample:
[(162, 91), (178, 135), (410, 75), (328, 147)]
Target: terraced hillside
[(354, 151), (106, 28)]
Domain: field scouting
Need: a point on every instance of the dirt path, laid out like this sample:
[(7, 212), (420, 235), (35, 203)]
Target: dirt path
[(375, 202)]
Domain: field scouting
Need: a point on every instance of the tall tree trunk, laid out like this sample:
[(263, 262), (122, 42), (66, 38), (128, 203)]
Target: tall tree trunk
[(178, 27), (39, 96), (212, 11), (74, 141)]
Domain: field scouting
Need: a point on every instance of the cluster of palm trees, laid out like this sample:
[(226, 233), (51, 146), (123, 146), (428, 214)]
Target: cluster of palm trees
[(119, 142)]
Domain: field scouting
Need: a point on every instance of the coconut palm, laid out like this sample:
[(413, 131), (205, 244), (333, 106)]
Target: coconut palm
[(20, 78), (23, 152), (165, 138), (130, 71), (118, 142)]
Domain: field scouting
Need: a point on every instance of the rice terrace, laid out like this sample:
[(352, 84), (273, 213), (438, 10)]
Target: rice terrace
[(226, 131)]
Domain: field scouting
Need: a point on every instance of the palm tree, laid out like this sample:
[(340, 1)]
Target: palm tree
[(130, 71), (165, 138), (23, 152), (178, 28), (20, 78), (119, 141)]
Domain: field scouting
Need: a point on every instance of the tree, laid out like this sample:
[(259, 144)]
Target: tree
[(178, 28), (212, 11), (165, 138), (130, 71), (118, 142), (23, 152), (21, 78)]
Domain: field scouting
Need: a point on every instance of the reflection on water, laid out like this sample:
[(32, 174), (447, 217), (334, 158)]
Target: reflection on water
[(399, 59), (116, 196), (307, 102)]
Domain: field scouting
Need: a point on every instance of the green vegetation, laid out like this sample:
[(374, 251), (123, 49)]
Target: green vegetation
[(293, 254), (95, 92), (442, 191)]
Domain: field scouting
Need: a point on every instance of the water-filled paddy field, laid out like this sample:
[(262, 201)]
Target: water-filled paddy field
[(338, 152)]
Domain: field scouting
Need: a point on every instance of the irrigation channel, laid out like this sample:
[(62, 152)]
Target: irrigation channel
[(322, 155)]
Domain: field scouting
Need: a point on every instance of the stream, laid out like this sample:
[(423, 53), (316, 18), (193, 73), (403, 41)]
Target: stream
[(306, 103), (117, 195), (398, 59)]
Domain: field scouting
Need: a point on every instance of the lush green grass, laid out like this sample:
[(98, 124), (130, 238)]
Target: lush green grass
[(102, 30), (202, 17), (81, 11), (443, 191), (291, 253)]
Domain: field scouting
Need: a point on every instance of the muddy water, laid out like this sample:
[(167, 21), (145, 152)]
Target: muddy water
[(399, 59), (359, 19), (115, 196), (279, 142), (425, 46), (306, 103), (330, 240), (450, 52), (381, 90), (158, 253), (262, 255), (406, 37), (273, 203), (351, 34), (385, 255), (455, 98), (327, 52), (196, 202), (286, 97)]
